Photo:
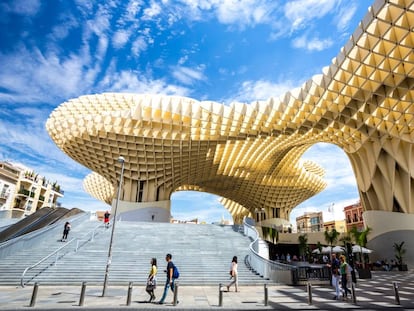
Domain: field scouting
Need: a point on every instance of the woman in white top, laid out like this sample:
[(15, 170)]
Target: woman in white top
[(233, 273)]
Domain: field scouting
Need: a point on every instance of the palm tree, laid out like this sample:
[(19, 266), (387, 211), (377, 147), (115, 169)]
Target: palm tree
[(345, 239), (303, 244), (399, 252), (331, 237), (361, 239), (319, 247)]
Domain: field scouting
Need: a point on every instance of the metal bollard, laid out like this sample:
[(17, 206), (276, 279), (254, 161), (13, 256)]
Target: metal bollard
[(34, 295), (397, 295), (82, 295), (220, 295), (309, 288), (175, 293), (128, 302), (353, 293), (266, 295)]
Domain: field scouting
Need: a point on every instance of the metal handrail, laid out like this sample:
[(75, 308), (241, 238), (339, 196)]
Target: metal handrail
[(261, 265), (22, 284)]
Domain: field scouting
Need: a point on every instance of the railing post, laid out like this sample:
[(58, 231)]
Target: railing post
[(128, 302), (56, 258), (397, 295), (34, 295), (220, 295), (354, 300), (309, 288), (82, 295), (175, 293), (266, 296)]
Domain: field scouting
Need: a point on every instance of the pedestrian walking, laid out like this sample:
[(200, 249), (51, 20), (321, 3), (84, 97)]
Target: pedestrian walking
[(106, 219), (233, 274), (172, 275), (345, 271), (334, 265), (66, 229), (151, 280)]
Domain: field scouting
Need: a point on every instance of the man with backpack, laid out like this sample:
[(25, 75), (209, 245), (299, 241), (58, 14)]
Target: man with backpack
[(172, 275)]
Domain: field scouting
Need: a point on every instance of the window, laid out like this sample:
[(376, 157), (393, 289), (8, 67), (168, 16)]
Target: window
[(276, 212), (4, 192), (140, 193)]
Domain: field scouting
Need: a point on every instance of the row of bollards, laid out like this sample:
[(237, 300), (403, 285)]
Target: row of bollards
[(175, 301), (353, 293), (266, 295)]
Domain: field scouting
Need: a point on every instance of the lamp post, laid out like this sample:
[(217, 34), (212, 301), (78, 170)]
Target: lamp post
[(108, 264)]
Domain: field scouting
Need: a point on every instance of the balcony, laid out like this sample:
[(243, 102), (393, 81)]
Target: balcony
[(26, 192)]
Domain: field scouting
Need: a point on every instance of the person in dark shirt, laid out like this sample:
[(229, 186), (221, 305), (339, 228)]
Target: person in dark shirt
[(334, 265), (66, 229), (169, 283)]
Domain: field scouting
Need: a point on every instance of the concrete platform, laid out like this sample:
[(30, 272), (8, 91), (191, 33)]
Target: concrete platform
[(371, 294)]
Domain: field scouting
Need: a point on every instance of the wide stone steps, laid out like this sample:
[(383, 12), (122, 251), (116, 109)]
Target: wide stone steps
[(202, 253)]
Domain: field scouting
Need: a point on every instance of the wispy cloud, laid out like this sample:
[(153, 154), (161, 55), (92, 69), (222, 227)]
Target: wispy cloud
[(187, 205), (188, 75), (345, 15), (22, 7), (261, 90), (312, 44), (303, 12)]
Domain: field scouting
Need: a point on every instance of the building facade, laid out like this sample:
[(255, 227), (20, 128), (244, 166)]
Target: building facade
[(353, 216), (310, 222), (23, 192), (338, 225)]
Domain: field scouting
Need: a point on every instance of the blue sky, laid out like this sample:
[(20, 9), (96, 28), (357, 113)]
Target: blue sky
[(220, 50)]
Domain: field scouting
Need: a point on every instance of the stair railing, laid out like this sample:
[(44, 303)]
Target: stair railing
[(58, 255), (258, 259)]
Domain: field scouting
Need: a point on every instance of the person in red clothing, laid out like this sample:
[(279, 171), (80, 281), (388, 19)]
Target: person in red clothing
[(106, 219)]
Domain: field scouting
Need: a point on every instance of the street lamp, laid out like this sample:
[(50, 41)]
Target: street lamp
[(108, 264)]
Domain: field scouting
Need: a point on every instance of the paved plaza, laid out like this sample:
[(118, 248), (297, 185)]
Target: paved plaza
[(372, 294)]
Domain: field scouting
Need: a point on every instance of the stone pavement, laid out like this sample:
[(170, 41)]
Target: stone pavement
[(372, 294)]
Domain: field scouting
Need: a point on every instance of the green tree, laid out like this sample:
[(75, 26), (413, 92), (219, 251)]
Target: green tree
[(303, 244), (331, 237), (399, 252), (361, 239)]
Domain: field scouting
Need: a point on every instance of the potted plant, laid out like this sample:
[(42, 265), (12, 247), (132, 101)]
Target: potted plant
[(399, 256), (360, 238)]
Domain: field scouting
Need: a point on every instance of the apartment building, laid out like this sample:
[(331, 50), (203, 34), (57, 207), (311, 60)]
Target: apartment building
[(309, 222), (23, 192), (353, 216)]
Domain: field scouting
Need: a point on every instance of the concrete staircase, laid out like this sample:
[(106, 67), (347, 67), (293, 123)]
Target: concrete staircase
[(201, 252)]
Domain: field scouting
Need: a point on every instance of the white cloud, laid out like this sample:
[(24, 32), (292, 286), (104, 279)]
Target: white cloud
[(313, 44), (345, 16), (152, 11), (261, 90), (22, 7), (342, 187), (302, 12), (138, 46), (188, 75), (134, 82), (187, 205), (120, 38)]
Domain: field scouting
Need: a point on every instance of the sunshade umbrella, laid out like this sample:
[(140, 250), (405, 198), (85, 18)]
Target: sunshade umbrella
[(357, 249)]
